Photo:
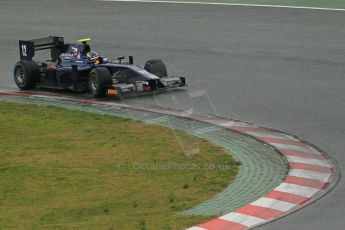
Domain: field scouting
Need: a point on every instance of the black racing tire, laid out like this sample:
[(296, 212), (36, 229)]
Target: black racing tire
[(25, 74), (156, 67), (99, 77)]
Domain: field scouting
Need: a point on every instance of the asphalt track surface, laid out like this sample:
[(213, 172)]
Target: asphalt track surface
[(280, 68)]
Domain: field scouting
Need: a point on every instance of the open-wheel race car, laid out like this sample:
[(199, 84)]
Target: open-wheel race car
[(77, 67)]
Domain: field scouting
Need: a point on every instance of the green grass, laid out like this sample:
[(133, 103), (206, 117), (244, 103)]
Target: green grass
[(62, 169)]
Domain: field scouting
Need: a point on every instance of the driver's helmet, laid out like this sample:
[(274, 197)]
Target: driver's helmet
[(92, 56)]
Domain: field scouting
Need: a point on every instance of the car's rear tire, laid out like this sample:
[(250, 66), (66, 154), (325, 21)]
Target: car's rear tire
[(156, 67), (25, 74), (99, 77)]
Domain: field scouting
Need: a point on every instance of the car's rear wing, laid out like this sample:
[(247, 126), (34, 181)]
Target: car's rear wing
[(27, 48)]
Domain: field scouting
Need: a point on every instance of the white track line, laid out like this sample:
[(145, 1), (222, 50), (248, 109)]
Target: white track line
[(308, 161), (324, 177), (243, 219), (296, 189), (227, 4), (279, 205), (307, 149), (271, 135), (196, 228)]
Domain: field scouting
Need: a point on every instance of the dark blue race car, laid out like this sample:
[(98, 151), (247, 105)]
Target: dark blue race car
[(77, 67)]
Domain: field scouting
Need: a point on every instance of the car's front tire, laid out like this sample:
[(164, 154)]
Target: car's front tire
[(99, 77), (25, 74), (156, 67)]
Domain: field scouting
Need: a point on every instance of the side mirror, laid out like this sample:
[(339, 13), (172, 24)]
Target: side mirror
[(120, 59)]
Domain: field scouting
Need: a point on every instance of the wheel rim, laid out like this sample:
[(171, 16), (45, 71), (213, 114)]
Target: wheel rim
[(93, 83), (20, 76)]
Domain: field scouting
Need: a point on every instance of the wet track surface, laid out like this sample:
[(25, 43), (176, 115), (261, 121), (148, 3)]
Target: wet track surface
[(280, 68)]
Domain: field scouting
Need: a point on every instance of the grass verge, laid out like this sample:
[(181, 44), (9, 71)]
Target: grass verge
[(62, 169)]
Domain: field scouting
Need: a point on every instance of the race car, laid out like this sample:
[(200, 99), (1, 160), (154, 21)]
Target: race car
[(77, 67)]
